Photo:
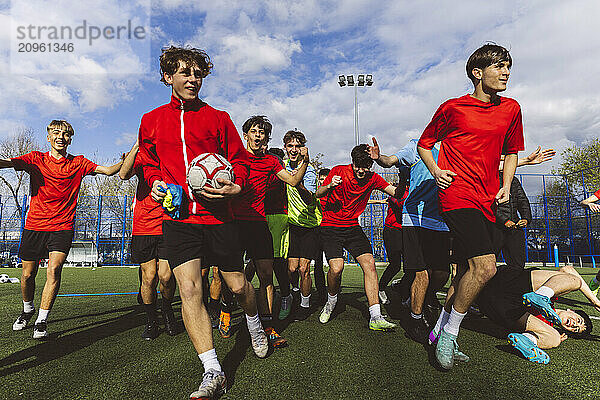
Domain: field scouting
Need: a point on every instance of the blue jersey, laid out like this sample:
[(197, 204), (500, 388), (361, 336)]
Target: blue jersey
[(310, 176), (421, 207)]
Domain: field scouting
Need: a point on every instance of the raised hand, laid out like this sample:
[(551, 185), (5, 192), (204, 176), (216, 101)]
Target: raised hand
[(373, 151), (539, 156)]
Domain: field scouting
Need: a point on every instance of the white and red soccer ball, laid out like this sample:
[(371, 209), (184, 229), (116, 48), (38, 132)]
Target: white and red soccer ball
[(205, 169)]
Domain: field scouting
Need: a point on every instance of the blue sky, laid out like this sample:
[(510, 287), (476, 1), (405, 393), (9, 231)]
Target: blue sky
[(282, 60)]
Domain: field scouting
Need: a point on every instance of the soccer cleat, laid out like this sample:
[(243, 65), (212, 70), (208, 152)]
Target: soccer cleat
[(417, 330), (23, 320), (214, 315), (383, 299), (286, 307), (594, 285), (459, 355), (326, 312), (543, 305), (275, 338), (150, 332), (225, 324), (528, 349), (380, 324), (171, 325), (444, 350), (40, 330), (301, 313), (213, 386), (260, 343)]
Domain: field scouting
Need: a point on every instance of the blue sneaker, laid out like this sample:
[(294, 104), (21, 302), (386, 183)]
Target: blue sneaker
[(529, 350), (543, 305), (444, 351)]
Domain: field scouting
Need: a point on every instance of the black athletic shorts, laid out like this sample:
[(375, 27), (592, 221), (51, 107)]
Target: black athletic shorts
[(184, 242), (147, 247), (425, 249), (304, 242), (474, 235), (256, 239), (337, 238), (392, 240), (501, 299), (36, 245)]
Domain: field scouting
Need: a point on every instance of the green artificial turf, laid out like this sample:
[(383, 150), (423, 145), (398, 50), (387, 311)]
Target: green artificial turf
[(95, 352)]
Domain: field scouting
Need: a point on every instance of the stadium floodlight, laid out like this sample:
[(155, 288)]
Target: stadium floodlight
[(361, 80)]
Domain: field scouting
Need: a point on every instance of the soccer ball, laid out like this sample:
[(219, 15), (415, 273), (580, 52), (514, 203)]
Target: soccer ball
[(4, 278), (205, 169)]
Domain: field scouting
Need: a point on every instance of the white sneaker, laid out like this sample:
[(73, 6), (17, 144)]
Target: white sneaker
[(383, 299), (23, 320), (326, 312), (260, 343), (213, 386), (40, 330)]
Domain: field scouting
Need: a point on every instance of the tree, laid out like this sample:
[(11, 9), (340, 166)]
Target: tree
[(316, 162), (581, 165), (21, 142)]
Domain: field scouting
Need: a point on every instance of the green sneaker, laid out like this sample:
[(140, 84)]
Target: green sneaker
[(594, 286), (286, 307), (326, 312), (459, 355), (444, 351), (380, 324)]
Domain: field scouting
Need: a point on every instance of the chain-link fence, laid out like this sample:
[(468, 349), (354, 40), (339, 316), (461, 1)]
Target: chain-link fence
[(558, 219)]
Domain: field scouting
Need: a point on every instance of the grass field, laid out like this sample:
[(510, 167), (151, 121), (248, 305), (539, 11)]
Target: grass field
[(96, 352)]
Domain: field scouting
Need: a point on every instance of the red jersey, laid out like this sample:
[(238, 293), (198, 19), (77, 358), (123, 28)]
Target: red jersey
[(597, 194), (250, 204), (474, 134), (276, 196), (54, 186), (147, 213), (344, 204), (172, 135), (393, 218)]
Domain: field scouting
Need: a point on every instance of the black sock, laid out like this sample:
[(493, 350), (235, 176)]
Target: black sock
[(165, 305), (150, 310)]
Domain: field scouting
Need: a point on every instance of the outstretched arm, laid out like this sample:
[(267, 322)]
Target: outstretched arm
[(323, 190), (126, 170), (6, 163), (296, 178), (539, 156), (585, 289), (381, 159), (109, 171), (591, 203)]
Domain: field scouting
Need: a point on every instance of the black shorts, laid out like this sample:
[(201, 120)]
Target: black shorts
[(147, 247), (337, 238), (474, 235), (425, 249), (392, 240), (501, 299), (36, 245), (184, 242), (255, 239), (304, 242)]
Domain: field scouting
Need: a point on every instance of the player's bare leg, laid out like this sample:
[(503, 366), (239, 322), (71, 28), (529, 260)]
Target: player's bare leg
[(305, 287), (28, 274), (56, 260), (334, 281), (377, 321), (246, 297), (264, 270), (167, 290)]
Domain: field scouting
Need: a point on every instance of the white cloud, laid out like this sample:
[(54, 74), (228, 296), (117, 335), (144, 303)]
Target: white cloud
[(126, 138)]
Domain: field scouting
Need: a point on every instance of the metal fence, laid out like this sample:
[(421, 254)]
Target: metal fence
[(558, 219)]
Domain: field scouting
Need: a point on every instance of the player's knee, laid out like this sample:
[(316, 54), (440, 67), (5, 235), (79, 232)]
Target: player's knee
[(53, 272), (238, 288), (485, 272), (549, 340), (190, 289), (27, 275)]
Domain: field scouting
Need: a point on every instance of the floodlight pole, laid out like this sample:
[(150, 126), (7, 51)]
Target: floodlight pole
[(361, 80), (356, 133)]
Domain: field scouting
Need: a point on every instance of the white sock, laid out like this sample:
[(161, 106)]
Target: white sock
[(531, 337), (304, 301), (209, 360), (545, 291), (28, 306), (375, 311), (453, 324), (416, 316), (332, 300), (42, 315), (442, 320), (253, 323)]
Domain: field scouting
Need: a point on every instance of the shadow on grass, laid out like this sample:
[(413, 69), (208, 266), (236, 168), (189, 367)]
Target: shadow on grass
[(61, 343)]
